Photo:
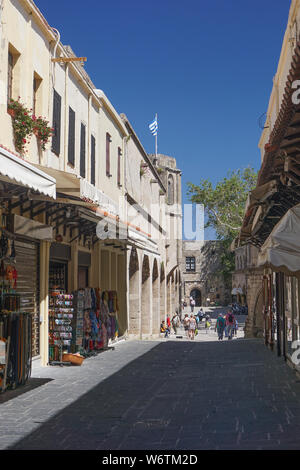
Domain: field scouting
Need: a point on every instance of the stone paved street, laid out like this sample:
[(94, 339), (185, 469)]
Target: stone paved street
[(170, 394)]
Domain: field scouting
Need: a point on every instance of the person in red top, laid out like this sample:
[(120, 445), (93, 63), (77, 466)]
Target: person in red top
[(169, 322), (230, 322)]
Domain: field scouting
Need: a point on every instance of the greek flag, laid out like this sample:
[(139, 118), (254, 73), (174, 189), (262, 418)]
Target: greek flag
[(153, 127)]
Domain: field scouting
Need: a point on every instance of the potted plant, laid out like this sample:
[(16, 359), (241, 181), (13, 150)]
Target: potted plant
[(42, 130), (22, 123)]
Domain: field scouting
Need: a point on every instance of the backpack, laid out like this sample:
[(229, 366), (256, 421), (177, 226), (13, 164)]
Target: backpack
[(230, 318)]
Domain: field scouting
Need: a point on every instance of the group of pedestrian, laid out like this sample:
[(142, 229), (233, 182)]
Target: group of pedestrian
[(174, 322), (226, 324), (191, 324)]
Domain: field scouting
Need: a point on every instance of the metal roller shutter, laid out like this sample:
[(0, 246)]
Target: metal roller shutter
[(27, 257)]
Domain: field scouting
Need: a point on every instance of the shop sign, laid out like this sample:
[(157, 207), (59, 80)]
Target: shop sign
[(31, 228)]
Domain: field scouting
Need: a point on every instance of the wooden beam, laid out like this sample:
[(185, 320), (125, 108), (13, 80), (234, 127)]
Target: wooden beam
[(69, 59)]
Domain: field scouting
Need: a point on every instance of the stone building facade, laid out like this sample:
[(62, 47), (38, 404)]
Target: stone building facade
[(92, 174), (201, 279), (247, 288)]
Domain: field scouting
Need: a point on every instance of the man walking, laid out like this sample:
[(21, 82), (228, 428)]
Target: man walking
[(193, 303), (230, 322), (220, 326), (175, 322)]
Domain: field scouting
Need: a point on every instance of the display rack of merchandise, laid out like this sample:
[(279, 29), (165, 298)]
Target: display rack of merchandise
[(57, 276), (60, 325), (15, 326), (78, 320), (95, 320)]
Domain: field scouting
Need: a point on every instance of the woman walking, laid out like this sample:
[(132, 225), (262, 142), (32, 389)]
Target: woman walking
[(192, 327), (186, 323)]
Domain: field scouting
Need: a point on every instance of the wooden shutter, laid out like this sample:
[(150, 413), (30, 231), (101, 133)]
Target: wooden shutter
[(93, 159), (27, 257), (107, 154), (71, 139), (56, 122), (82, 151), (119, 167), (10, 76)]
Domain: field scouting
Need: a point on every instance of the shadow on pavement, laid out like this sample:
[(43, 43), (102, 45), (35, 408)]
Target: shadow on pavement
[(31, 384), (167, 398)]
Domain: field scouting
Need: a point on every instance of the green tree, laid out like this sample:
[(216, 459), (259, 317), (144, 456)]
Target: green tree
[(224, 207)]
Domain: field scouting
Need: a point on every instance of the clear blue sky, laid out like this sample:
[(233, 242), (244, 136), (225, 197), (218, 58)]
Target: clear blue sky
[(205, 67)]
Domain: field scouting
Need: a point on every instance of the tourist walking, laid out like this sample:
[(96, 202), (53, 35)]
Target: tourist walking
[(236, 327), (168, 322), (230, 322), (192, 327), (186, 323), (220, 326), (193, 303), (175, 322), (225, 329), (207, 323)]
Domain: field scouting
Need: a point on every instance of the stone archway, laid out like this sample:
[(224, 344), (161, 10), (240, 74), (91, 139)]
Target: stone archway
[(196, 294), (155, 299), (170, 293), (134, 294), (258, 316), (162, 292), (146, 302)]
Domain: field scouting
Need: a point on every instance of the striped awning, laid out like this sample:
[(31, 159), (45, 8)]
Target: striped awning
[(14, 169)]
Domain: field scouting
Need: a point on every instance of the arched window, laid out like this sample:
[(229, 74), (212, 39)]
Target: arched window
[(170, 189)]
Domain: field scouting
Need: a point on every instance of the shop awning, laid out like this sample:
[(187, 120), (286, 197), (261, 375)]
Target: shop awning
[(76, 186), (15, 170), (281, 250), (141, 240)]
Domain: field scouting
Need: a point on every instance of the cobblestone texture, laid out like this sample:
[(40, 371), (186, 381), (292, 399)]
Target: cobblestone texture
[(171, 394)]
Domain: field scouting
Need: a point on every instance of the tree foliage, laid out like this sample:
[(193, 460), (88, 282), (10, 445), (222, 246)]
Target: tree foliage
[(224, 207)]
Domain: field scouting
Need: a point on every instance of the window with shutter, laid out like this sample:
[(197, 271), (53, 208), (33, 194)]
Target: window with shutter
[(71, 139), (82, 151), (119, 166), (93, 159), (108, 140), (10, 76), (56, 122)]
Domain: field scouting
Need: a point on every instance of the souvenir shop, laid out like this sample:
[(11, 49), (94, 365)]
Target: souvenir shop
[(60, 304), (83, 321), (280, 258), (19, 332), (95, 320)]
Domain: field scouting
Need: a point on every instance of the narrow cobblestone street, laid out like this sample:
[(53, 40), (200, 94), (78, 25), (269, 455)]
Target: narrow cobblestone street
[(168, 394)]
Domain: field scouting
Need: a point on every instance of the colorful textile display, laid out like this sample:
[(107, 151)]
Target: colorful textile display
[(97, 314)]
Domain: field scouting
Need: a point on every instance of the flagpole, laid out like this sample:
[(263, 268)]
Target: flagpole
[(156, 139)]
